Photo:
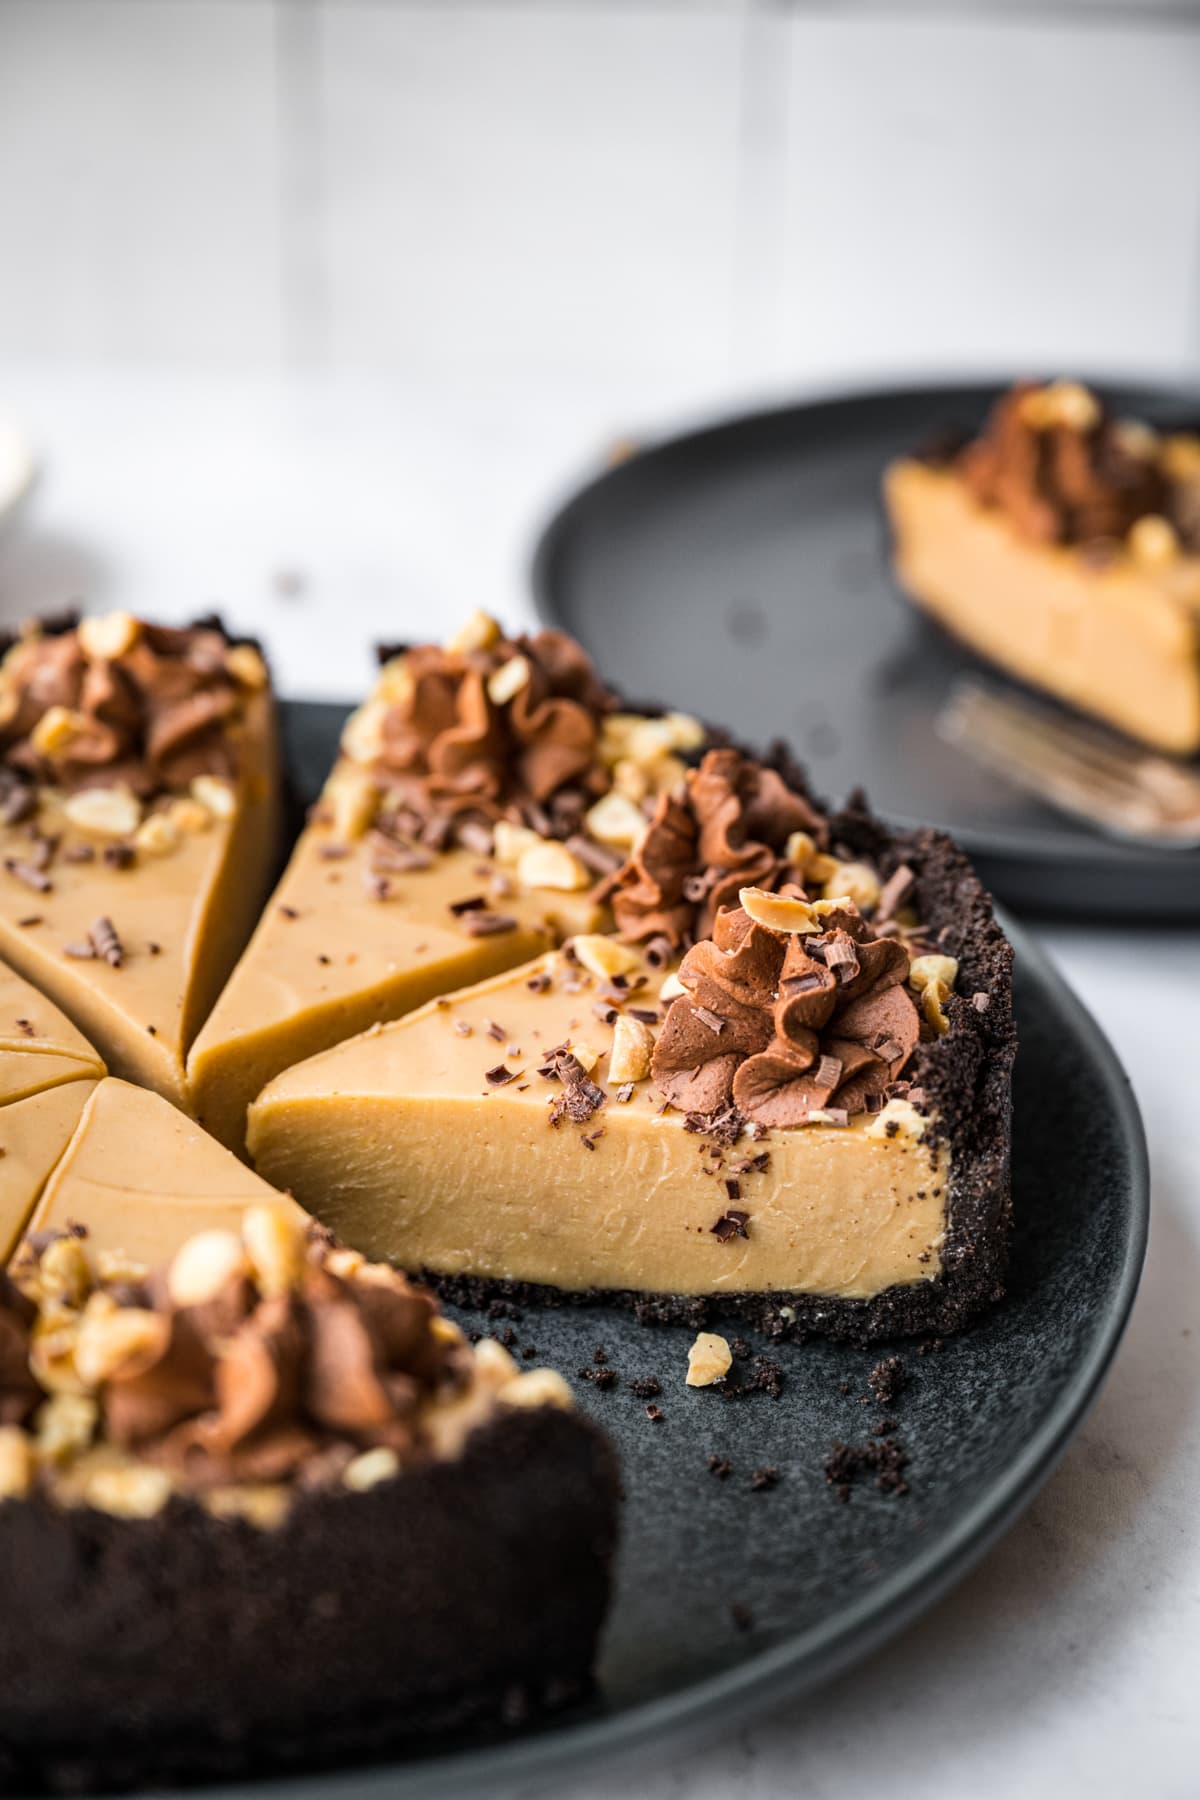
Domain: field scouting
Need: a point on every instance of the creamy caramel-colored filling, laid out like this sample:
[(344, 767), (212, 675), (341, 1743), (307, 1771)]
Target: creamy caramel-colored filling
[(142, 1177), (181, 916), (328, 960), (1117, 639), (398, 1141), (34, 1132)]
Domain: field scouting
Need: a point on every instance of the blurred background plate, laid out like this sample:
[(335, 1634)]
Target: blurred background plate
[(742, 571)]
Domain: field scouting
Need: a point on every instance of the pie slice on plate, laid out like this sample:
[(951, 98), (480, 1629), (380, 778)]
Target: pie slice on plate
[(139, 823), (1065, 546), (481, 792), (806, 1123)]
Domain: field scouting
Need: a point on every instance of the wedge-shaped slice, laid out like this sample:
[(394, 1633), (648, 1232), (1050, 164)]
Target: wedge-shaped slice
[(481, 792), (144, 1178), (814, 1134), (139, 789), (1065, 546), (47, 1071)]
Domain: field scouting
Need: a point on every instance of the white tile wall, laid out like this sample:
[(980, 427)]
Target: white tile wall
[(732, 195), (139, 180), (530, 185)]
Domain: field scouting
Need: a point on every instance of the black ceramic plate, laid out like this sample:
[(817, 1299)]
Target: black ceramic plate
[(743, 572), (984, 1420)]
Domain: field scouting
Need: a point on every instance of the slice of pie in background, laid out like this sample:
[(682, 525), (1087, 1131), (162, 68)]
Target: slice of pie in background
[(1064, 546)]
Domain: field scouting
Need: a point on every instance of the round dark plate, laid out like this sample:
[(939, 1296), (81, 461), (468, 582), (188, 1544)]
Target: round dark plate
[(743, 571), (984, 1419)]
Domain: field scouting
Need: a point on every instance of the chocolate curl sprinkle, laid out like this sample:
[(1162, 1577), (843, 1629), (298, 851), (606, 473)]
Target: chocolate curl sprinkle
[(106, 943)]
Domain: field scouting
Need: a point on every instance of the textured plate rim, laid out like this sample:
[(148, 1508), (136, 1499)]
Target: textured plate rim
[(1005, 842), (807, 1659)]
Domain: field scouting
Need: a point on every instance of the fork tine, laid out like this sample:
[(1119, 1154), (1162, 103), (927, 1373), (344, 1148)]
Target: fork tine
[(1055, 764)]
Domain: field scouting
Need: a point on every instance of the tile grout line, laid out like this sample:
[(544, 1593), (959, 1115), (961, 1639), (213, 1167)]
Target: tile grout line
[(761, 151), (303, 286)]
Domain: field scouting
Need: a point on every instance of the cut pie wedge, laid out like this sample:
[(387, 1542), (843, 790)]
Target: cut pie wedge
[(1065, 546), (47, 1072), (472, 811), (139, 820), (144, 1178), (807, 1124)]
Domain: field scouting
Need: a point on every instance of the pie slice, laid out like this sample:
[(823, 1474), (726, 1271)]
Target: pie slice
[(143, 1177), (268, 1443), (481, 792), (47, 1072), (806, 1123), (139, 822), (1065, 547)]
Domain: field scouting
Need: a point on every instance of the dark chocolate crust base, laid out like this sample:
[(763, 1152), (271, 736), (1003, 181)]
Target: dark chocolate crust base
[(464, 1595), (967, 1076)]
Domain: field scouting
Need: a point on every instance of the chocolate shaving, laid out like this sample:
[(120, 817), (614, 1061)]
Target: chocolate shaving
[(475, 903), (500, 1076), (706, 1016), (119, 856), (107, 944), (488, 924), (29, 875), (894, 892), (732, 1223)]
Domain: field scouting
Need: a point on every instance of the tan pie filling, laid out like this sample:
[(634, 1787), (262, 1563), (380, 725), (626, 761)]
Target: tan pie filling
[(328, 960), (182, 915), (400, 1143), (1118, 640)]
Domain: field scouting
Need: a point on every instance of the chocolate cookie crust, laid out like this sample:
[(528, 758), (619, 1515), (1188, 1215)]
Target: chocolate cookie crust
[(461, 1594), (967, 1078)]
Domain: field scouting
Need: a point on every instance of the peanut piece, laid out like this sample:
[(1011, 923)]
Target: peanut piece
[(632, 1050), (106, 812), (538, 1387), (276, 1247), (478, 632), (217, 795), (778, 913), (603, 956), (108, 636), (551, 865), (369, 1469), (203, 1265), (615, 820), (709, 1359), (507, 681)]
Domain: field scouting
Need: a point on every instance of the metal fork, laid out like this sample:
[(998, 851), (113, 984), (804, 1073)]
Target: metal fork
[(1126, 792)]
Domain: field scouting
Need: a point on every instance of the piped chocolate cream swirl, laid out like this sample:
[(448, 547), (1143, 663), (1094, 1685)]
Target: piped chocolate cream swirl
[(1062, 469), (729, 828), (785, 1024), (117, 702), (508, 729), (279, 1361)]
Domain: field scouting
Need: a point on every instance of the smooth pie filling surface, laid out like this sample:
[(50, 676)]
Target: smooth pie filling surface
[(406, 1148)]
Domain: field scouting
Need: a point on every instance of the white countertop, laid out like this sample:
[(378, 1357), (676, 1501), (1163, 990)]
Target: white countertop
[(328, 513)]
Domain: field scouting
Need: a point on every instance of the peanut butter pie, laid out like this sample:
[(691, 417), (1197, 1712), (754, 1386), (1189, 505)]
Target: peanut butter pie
[(48, 1071), (780, 1086), (481, 792), (138, 827), (268, 1509), (1065, 546)]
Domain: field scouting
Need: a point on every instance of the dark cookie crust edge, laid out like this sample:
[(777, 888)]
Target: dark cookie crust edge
[(967, 1075), (462, 1595)]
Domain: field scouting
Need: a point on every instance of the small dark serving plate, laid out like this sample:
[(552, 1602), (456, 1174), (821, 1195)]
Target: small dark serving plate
[(984, 1419), (743, 571)]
